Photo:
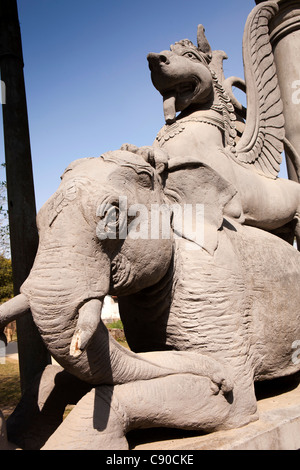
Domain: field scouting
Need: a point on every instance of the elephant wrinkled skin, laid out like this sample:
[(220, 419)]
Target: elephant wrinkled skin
[(203, 322), (183, 232)]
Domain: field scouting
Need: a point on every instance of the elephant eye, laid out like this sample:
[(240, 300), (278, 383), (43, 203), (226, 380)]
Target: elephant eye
[(108, 226), (112, 218)]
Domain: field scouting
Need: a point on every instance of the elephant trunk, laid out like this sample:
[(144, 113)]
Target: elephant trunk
[(65, 290), (66, 299), (13, 309)]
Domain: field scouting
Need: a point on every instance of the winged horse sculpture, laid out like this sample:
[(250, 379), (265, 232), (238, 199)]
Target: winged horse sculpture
[(210, 127)]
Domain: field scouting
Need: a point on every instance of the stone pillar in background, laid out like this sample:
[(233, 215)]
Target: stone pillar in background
[(285, 39), (33, 356)]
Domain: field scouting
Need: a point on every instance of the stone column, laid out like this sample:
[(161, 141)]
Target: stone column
[(285, 39), (33, 356)]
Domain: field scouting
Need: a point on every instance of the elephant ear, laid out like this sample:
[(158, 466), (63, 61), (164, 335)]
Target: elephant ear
[(191, 182)]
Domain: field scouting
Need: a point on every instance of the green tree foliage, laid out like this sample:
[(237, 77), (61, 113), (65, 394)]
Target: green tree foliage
[(4, 227), (6, 282)]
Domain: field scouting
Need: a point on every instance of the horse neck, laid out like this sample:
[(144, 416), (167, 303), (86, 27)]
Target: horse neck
[(218, 111)]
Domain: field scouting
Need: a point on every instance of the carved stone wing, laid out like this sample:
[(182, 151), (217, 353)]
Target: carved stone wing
[(261, 144)]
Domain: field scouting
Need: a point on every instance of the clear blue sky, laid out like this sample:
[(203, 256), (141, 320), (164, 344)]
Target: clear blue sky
[(87, 79)]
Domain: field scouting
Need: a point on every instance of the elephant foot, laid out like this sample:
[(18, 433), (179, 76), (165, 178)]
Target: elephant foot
[(97, 422)]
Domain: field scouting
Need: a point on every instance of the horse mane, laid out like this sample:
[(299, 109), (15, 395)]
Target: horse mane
[(224, 106)]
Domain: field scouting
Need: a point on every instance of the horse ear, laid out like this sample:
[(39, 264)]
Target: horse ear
[(203, 44)]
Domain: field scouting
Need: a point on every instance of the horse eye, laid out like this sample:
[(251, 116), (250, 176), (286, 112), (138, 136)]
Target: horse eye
[(191, 56)]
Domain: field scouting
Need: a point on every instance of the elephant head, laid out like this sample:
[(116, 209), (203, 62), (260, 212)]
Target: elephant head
[(97, 236), (85, 253)]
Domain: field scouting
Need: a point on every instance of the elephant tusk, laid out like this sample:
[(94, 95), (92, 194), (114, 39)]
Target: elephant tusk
[(87, 323), (13, 308)]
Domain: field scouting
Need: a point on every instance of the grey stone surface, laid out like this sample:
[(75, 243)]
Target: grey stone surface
[(3, 437), (4, 443), (278, 428), (209, 302)]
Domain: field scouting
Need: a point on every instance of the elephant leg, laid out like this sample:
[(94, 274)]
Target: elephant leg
[(96, 423), (4, 444), (103, 417), (41, 408), (185, 401)]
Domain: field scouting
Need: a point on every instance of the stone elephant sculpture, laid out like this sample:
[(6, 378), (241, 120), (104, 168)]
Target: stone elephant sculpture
[(204, 317)]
